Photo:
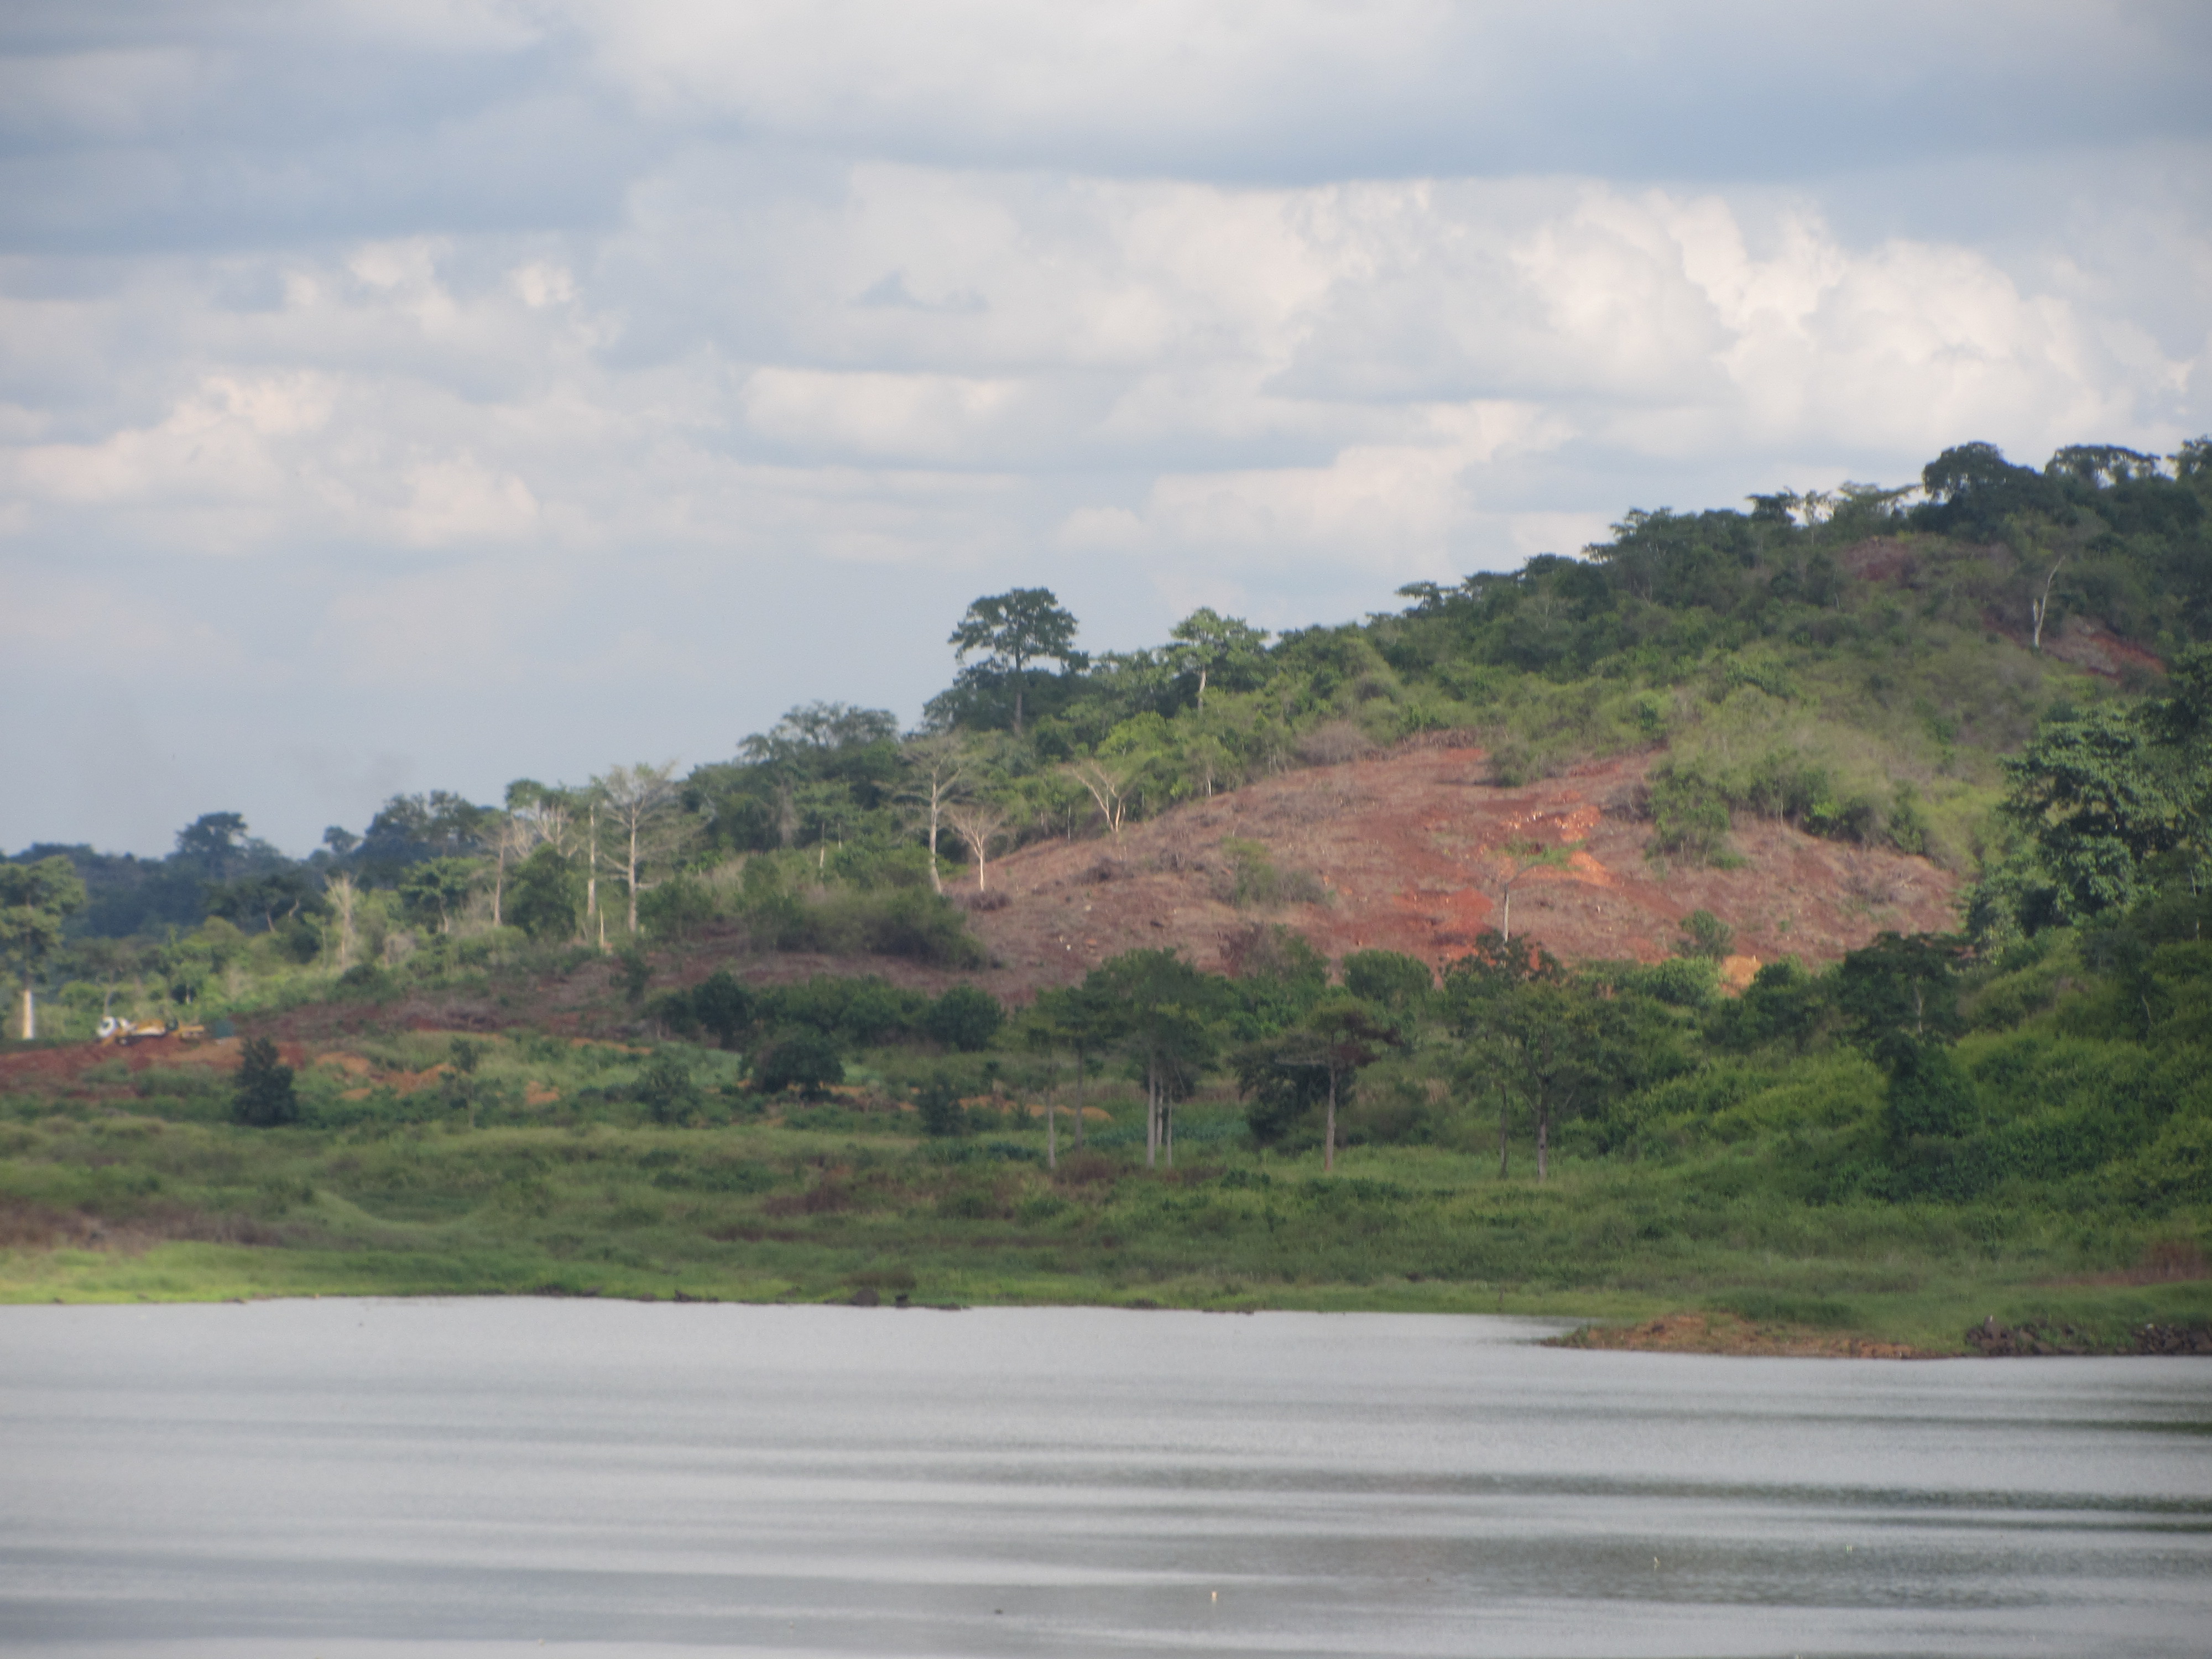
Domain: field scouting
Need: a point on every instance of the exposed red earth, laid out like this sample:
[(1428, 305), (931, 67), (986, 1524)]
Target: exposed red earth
[(1412, 851)]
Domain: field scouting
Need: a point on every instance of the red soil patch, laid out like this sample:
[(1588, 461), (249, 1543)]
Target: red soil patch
[(1411, 851), (45, 1068)]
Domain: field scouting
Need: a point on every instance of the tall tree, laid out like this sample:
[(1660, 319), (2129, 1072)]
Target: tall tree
[(1079, 1018), (1513, 1005), (1213, 646), (937, 772), (639, 803), (35, 901), (1015, 628), (339, 889), (1161, 1006), (433, 890), (1344, 1037)]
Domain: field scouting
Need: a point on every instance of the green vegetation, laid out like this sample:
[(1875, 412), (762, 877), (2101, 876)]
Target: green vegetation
[(1934, 1130)]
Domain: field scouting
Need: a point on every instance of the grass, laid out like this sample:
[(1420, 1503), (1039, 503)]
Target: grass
[(816, 1204)]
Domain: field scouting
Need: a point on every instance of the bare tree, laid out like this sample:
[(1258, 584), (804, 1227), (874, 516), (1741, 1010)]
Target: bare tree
[(981, 826), (939, 767), (639, 803), (1107, 786), (535, 816), (1519, 858), (344, 896), (2039, 609)]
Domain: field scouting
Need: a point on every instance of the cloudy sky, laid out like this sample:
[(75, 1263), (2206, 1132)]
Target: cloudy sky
[(398, 394)]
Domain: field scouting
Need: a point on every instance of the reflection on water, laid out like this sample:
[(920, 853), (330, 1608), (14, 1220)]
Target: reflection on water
[(345, 1478)]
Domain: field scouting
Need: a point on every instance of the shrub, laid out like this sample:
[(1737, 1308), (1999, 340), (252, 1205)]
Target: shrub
[(666, 1089), (721, 1006), (805, 1061), (938, 1101), (1395, 980), (1689, 816), (544, 896), (1705, 934), (676, 908), (263, 1098), (965, 1017)]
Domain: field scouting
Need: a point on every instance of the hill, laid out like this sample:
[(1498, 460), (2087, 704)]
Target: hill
[(1794, 916), (1414, 851)]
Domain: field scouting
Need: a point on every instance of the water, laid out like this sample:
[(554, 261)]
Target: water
[(405, 1478)]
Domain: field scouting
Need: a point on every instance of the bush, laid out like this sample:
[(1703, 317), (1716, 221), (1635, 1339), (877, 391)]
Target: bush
[(666, 1089), (805, 1061), (1689, 815), (263, 1098), (676, 908), (1389, 978), (1705, 934), (965, 1017), (937, 1101), (722, 1007), (544, 896)]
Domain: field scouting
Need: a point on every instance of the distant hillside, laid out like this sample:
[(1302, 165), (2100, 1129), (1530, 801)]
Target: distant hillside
[(1855, 669)]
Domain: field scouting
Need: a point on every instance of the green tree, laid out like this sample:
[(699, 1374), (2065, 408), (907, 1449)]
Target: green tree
[(544, 896), (434, 889), (1212, 646), (1388, 979), (1160, 1007), (1536, 1030), (666, 1088), (2104, 798), (805, 1061), (1013, 629), (937, 1102), (268, 898), (263, 1097), (1283, 1083), (723, 1007), (1344, 1037), (965, 1017), (36, 901)]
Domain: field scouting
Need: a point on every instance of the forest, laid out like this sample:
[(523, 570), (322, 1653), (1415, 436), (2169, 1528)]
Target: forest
[(719, 1030)]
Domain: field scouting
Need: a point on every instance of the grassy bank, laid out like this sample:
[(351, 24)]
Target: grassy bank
[(156, 1198)]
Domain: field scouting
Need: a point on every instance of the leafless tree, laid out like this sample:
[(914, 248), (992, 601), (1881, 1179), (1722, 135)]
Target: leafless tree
[(344, 896), (1517, 859), (639, 804), (1108, 786), (938, 767), (980, 826), (2039, 609)]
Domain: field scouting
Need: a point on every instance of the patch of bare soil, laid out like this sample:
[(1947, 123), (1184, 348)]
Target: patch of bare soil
[(1411, 853), (47, 1068), (1722, 1333)]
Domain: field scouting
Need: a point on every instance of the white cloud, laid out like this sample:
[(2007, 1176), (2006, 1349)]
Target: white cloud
[(545, 344)]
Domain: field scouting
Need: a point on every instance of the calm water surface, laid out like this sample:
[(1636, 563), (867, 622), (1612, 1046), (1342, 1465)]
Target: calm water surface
[(405, 1478)]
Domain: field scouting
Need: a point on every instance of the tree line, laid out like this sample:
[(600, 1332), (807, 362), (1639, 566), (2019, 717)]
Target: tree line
[(1724, 638)]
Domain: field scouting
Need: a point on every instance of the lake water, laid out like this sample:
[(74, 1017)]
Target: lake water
[(405, 1478)]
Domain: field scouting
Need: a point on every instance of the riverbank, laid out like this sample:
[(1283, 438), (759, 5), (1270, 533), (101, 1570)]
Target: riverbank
[(117, 1195)]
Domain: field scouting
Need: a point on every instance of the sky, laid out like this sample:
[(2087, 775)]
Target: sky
[(412, 394)]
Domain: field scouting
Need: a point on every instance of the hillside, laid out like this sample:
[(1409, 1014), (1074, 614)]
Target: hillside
[(1411, 851), (1796, 916)]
